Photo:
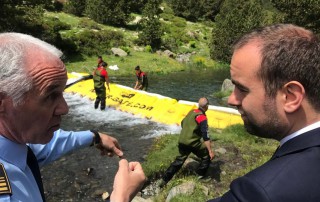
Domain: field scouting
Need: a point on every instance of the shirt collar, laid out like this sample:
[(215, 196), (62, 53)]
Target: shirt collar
[(204, 112), (13, 153), (299, 132)]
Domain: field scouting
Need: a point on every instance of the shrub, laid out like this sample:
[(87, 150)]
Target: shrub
[(88, 23), (126, 49), (148, 48), (98, 43), (179, 22), (170, 43), (166, 16), (199, 61), (51, 31), (75, 7), (177, 30), (68, 47), (56, 6), (55, 24)]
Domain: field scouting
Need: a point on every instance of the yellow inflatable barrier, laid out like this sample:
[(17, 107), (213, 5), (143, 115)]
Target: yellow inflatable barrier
[(152, 106)]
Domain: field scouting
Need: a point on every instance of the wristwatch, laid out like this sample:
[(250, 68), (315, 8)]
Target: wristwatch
[(96, 139)]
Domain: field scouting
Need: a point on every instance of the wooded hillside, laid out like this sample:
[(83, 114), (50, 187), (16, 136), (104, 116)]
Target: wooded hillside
[(160, 22)]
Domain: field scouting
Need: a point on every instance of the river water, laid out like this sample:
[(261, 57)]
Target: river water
[(84, 175), (185, 85)]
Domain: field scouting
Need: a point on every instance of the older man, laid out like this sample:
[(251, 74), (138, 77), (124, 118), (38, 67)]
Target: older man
[(276, 72), (32, 80)]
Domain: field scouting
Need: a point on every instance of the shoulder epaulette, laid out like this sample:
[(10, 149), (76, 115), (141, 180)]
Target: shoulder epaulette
[(5, 187)]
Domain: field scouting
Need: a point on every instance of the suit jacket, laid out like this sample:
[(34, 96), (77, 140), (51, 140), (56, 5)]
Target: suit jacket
[(291, 175)]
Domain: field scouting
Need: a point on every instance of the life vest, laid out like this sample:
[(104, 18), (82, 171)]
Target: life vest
[(191, 133), (142, 78), (99, 77)]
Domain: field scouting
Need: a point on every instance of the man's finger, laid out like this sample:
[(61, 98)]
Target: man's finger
[(118, 152), (123, 165)]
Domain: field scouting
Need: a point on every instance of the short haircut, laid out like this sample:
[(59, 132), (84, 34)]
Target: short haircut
[(288, 53), (14, 79), (203, 102)]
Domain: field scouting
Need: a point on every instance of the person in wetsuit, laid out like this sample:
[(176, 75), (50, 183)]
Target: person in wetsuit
[(142, 79), (100, 76), (100, 61)]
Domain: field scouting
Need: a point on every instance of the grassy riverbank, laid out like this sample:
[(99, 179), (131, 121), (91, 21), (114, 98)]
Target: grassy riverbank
[(149, 62), (154, 63), (236, 153)]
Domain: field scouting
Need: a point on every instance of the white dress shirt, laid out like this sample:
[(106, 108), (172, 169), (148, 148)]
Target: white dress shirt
[(299, 132)]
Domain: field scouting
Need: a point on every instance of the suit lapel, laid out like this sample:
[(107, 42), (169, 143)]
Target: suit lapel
[(299, 143)]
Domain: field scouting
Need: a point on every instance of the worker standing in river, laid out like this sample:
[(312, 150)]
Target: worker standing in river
[(100, 61), (100, 76), (142, 79)]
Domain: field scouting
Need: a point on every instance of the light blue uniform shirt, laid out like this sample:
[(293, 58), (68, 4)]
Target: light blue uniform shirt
[(14, 158)]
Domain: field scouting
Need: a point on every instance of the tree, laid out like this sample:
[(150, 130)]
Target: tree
[(75, 7), (113, 12), (21, 16), (27, 16), (234, 19), (300, 12), (136, 6), (89, 42), (151, 30), (195, 10), (211, 8)]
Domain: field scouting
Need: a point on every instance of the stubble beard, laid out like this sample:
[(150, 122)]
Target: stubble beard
[(271, 127)]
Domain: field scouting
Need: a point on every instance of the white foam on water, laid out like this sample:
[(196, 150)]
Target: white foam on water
[(169, 129), (81, 109)]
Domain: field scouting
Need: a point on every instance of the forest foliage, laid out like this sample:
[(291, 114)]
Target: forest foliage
[(163, 22)]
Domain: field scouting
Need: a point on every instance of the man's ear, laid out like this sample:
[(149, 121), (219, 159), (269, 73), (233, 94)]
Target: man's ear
[(294, 94)]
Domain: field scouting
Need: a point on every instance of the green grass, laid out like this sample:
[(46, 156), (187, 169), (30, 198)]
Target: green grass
[(74, 21), (244, 153), (64, 17), (222, 94), (149, 62), (152, 63)]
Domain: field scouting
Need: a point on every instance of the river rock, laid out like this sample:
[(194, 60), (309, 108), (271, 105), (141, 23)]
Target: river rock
[(205, 190), (140, 199), (169, 54), (138, 48), (183, 58), (221, 150), (185, 188), (191, 164), (105, 195), (227, 85), (118, 52)]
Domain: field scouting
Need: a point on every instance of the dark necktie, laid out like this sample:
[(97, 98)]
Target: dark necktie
[(34, 167)]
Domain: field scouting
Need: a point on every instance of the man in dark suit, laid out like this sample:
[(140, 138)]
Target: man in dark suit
[(276, 72)]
